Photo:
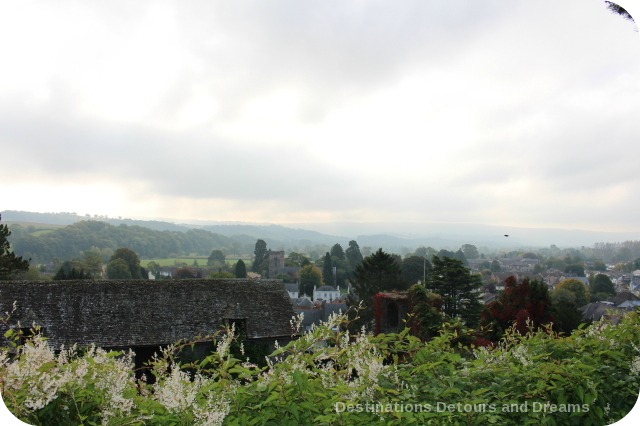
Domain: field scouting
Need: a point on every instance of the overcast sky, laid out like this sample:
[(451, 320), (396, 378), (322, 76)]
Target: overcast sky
[(514, 113)]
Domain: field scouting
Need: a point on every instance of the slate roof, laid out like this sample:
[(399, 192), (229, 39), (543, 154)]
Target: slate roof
[(146, 313)]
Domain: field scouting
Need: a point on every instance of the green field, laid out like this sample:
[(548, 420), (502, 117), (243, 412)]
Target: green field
[(36, 229)]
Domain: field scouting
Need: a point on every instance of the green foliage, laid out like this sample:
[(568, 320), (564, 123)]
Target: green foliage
[(131, 259), (71, 241), (470, 251), (377, 273), (297, 259), (458, 287), (602, 285), (353, 255), (426, 311), (70, 271), (216, 258), (309, 277), (240, 269), (261, 259), (577, 288), (589, 378), (327, 270), (414, 269), (337, 252), (10, 264), (118, 269), (92, 261)]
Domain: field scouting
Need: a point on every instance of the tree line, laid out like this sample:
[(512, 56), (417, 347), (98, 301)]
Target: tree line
[(74, 240)]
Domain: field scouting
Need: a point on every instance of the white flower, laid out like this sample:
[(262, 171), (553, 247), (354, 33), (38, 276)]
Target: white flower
[(222, 348), (520, 353), (296, 323), (214, 411), (176, 391)]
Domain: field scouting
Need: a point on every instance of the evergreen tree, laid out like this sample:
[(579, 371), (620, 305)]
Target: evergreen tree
[(327, 270), (9, 262), (353, 254), (337, 252), (261, 257), (458, 287), (241, 269), (70, 271), (377, 273)]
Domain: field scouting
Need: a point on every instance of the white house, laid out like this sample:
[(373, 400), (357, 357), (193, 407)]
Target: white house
[(326, 293)]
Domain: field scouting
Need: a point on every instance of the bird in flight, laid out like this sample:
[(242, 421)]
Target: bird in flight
[(506, 235)]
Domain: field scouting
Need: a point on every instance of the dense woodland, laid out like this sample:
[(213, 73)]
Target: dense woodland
[(71, 241)]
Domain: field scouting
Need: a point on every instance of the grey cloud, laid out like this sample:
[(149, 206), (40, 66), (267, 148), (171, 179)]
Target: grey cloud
[(186, 165)]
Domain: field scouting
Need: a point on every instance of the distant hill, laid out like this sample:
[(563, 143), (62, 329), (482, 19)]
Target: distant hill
[(69, 242), (35, 235), (71, 218)]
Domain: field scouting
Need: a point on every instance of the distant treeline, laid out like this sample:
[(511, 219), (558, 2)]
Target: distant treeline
[(71, 241)]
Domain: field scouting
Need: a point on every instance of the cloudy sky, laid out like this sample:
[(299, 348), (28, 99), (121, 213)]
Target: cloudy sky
[(510, 112)]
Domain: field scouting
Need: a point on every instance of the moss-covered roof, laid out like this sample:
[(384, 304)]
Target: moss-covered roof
[(141, 313)]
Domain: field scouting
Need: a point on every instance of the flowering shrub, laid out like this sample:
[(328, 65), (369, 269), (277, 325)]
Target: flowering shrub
[(328, 376)]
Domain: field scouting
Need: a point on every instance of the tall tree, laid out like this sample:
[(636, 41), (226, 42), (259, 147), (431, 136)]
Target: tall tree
[(131, 259), (414, 269), (426, 308), (377, 273), (458, 287), (9, 262), (241, 269), (297, 259), (337, 252), (216, 258), (601, 288), (118, 269), (93, 262), (310, 277), (566, 315), (327, 270), (470, 251), (261, 257), (577, 288), (353, 254)]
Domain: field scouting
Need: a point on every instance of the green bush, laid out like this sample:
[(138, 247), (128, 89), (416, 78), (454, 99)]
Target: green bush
[(330, 377)]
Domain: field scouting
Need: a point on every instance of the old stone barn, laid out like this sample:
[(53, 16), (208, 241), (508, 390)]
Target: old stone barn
[(146, 315)]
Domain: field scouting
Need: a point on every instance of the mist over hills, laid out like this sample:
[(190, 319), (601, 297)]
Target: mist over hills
[(391, 236)]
